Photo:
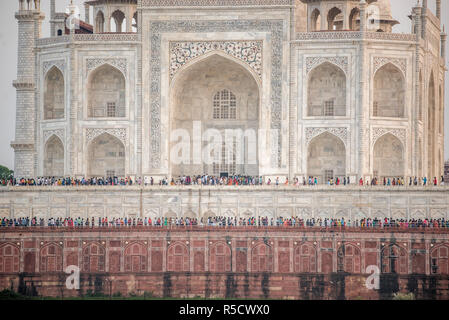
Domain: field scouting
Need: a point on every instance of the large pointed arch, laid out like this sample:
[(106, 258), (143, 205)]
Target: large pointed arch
[(106, 156), (54, 157), (326, 157), (192, 98)]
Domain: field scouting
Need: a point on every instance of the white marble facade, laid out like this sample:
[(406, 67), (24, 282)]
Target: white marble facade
[(344, 102)]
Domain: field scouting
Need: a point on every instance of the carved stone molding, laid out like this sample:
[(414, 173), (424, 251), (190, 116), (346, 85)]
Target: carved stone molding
[(342, 133), (158, 28), (60, 133), (119, 133), (250, 52), (47, 65), (401, 134), (119, 63), (379, 62), (312, 62)]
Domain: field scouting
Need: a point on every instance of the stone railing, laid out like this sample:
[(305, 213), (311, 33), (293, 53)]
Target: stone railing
[(214, 3), (97, 37), (127, 37), (53, 40), (280, 188), (354, 35)]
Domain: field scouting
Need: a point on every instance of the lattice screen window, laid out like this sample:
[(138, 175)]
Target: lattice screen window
[(376, 173), (110, 173), (328, 175), (375, 108), (225, 105), (329, 108), (111, 109)]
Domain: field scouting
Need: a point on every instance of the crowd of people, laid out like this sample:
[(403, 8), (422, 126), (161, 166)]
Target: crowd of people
[(367, 223), (208, 180)]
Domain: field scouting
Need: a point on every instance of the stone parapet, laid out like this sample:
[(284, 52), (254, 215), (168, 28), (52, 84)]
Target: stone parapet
[(351, 203)]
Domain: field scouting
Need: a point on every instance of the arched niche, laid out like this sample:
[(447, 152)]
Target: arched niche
[(354, 19), (220, 94), (389, 92), (99, 22), (389, 159), (106, 93), (332, 17), (118, 21), (315, 20), (326, 91), (54, 93), (326, 158), (106, 157), (54, 157)]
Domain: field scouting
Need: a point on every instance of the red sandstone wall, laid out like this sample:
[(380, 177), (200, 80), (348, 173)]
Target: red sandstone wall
[(241, 263)]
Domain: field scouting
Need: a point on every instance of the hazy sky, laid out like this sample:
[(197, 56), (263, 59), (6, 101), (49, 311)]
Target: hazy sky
[(8, 62)]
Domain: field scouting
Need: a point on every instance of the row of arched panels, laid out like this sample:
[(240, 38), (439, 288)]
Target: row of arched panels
[(117, 22), (327, 89), (106, 157), (106, 93), (326, 93), (138, 257), (326, 157)]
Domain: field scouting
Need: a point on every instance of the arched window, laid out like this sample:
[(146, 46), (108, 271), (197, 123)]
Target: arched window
[(354, 20), (54, 94), (332, 19), (59, 32), (225, 105), (118, 21), (99, 22), (93, 258), (389, 92), (106, 92), (315, 20)]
